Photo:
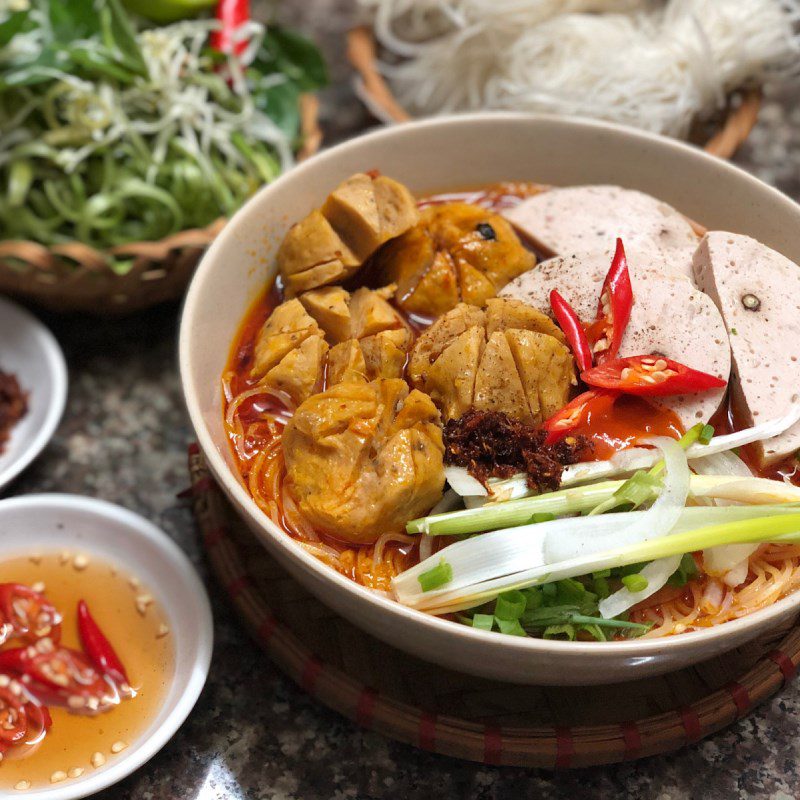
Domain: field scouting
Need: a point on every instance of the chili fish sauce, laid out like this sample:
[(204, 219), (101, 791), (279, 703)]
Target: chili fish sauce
[(629, 420), (77, 744)]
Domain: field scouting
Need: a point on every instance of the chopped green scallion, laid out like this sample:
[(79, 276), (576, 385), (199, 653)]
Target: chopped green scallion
[(510, 627), (635, 582), (706, 435), (510, 605), (436, 577), (484, 622)]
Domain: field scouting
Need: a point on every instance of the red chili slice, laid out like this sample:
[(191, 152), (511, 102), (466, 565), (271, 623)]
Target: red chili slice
[(98, 648), (30, 615), (650, 376), (577, 412), (60, 676), (22, 720), (13, 717), (570, 323), (614, 309)]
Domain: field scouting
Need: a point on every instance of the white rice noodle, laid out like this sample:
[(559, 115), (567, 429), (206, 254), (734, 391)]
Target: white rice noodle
[(647, 64)]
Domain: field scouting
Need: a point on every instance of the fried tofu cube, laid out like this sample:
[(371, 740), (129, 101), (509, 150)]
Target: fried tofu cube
[(286, 328), (545, 367), (301, 371), (498, 386), (329, 306), (346, 363)]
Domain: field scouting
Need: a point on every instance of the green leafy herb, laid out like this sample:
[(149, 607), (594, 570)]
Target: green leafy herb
[(99, 143), (687, 570), (564, 631)]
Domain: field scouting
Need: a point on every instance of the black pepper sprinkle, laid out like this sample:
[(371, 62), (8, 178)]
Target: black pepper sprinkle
[(750, 302), (486, 230)]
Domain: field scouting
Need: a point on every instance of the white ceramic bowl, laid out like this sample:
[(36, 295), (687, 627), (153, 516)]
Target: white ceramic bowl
[(437, 155), (30, 351), (47, 522)]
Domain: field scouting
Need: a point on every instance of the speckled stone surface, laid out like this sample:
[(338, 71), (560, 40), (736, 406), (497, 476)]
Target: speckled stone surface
[(255, 735)]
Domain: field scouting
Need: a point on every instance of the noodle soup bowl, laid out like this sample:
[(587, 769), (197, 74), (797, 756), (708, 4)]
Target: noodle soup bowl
[(445, 154)]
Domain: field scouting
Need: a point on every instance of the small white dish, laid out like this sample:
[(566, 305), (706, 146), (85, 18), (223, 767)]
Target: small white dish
[(68, 522), (31, 352)]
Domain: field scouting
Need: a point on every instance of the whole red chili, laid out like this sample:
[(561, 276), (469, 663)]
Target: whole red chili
[(97, 646), (573, 330)]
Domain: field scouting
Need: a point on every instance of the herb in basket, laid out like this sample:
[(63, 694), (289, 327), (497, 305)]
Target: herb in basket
[(112, 133)]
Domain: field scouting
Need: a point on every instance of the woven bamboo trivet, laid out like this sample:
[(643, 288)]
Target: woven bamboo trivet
[(446, 712)]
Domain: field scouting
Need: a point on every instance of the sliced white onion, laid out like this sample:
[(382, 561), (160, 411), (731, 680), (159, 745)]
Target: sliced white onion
[(738, 575), (450, 501), (657, 574), (638, 458), (764, 430), (657, 521), (730, 562), (503, 552), (727, 463), (474, 502), (513, 556), (425, 547), (463, 483)]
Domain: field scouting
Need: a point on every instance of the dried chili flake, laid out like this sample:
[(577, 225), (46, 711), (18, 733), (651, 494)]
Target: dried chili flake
[(490, 444), (13, 405)]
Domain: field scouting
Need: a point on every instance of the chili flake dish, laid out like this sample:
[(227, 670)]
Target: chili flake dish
[(490, 407), (85, 662)]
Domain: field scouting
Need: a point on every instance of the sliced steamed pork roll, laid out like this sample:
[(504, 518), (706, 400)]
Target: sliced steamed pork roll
[(758, 292), (587, 218), (669, 318)]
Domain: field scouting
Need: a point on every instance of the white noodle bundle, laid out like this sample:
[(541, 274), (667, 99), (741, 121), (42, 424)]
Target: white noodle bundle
[(653, 65)]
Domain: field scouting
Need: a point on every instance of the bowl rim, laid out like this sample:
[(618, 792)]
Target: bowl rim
[(195, 678), (635, 649), (53, 358)]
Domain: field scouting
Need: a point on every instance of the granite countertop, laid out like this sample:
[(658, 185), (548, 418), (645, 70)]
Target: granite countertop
[(254, 734)]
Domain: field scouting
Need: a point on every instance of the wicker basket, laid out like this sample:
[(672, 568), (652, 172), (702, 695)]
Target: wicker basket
[(75, 277), (731, 129)]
